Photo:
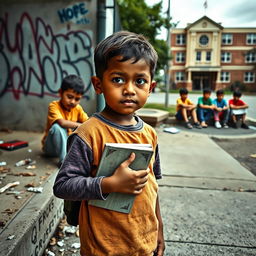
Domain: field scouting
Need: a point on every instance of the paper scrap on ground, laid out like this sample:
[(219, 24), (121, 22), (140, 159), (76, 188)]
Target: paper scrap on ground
[(172, 130)]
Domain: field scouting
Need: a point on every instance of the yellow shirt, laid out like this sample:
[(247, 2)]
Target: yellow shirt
[(105, 232), (56, 112), (180, 102)]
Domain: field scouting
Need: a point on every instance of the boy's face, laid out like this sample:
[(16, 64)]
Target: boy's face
[(207, 95), (220, 97), (236, 98), (69, 98), (125, 85), (183, 96)]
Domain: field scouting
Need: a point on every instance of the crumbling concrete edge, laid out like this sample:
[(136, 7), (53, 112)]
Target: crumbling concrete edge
[(34, 225)]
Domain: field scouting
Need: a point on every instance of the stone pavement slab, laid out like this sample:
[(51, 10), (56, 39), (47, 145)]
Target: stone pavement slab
[(208, 217)]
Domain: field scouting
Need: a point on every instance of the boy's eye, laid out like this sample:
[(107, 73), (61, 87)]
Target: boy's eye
[(70, 97), (141, 81), (118, 80)]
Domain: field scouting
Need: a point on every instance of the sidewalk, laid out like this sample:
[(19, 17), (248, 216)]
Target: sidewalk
[(205, 197)]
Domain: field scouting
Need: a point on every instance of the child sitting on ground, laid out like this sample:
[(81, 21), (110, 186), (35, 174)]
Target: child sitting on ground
[(205, 107), (185, 108), (124, 64), (221, 111), (238, 109), (64, 115)]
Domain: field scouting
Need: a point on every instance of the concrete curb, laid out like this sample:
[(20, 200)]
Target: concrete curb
[(29, 232)]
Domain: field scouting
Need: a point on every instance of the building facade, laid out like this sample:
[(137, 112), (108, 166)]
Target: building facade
[(207, 55)]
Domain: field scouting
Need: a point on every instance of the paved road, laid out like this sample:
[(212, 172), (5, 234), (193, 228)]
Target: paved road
[(159, 97)]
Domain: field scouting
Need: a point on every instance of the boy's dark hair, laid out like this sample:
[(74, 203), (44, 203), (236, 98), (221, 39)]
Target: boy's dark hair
[(73, 82), (128, 45), (207, 90), (183, 91), (220, 92), (237, 94)]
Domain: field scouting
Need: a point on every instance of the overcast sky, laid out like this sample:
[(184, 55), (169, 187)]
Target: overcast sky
[(230, 13)]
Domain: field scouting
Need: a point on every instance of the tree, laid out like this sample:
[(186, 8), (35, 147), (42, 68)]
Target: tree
[(139, 18)]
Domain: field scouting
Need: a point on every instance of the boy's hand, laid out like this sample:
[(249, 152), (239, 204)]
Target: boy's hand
[(126, 180)]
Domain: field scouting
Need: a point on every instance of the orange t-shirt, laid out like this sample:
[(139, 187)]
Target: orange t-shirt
[(105, 232), (56, 112), (180, 101)]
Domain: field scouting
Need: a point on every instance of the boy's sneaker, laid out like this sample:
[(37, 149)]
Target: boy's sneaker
[(235, 125), (217, 125), (198, 125), (245, 126), (225, 126), (189, 125)]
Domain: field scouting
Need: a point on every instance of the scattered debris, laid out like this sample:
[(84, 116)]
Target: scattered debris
[(10, 237), (2, 224), (31, 167), (14, 192), (61, 243), (172, 130), (10, 211), (2, 176), (75, 245), (3, 163), (70, 229), (253, 155), (29, 185), (23, 162), (35, 189), (240, 190), (4, 169), (18, 197), (29, 150), (49, 253), (53, 241), (9, 185), (26, 174)]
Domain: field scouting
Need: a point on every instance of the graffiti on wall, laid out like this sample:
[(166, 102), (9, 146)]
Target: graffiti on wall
[(34, 60), (75, 13)]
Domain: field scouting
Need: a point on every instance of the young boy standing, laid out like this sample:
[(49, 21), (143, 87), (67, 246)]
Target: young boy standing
[(125, 64), (64, 115), (221, 110), (205, 107), (238, 109), (185, 108)]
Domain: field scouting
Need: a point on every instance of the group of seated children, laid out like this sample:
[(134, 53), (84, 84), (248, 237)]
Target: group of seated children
[(219, 109)]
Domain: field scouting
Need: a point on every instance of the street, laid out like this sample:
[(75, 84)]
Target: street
[(159, 97)]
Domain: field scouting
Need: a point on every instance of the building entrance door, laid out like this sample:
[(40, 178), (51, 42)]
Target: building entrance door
[(202, 80)]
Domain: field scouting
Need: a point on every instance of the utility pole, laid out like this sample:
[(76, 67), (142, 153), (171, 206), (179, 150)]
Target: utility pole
[(167, 69), (101, 33)]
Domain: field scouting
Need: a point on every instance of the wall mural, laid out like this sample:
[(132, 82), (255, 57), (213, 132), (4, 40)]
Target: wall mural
[(34, 59)]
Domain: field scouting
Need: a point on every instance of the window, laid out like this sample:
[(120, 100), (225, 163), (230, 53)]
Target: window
[(208, 56), (225, 57), (225, 76), (180, 39), (249, 77), (180, 57), (251, 39), (203, 40), (227, 38), (250, 57), (198, 56), (180, 76)]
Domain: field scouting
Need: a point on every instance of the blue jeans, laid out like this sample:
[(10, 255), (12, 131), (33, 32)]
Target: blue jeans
[(56, 142), (204, 114)]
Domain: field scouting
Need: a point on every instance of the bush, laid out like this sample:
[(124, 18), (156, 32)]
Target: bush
[(237, 85)]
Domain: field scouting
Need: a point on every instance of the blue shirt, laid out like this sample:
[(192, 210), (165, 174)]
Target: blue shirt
[(220, 104)]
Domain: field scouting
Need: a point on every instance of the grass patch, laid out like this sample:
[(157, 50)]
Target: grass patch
[(171, 109)]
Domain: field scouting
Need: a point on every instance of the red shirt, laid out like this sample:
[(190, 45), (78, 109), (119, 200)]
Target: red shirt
[(236, 102)]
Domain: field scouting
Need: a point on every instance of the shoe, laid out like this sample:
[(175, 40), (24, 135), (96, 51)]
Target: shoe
[(245, 126), (204, 125), (217, 125), (225, 126), (189, 125), (197, 125), (235, 125)]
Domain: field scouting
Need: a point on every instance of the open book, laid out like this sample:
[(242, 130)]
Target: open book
[(113, 155)]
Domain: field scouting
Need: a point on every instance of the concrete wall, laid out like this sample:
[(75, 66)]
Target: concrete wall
[(40, 43)]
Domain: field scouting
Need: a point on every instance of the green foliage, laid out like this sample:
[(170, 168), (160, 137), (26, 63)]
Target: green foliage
[(139, 18)]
